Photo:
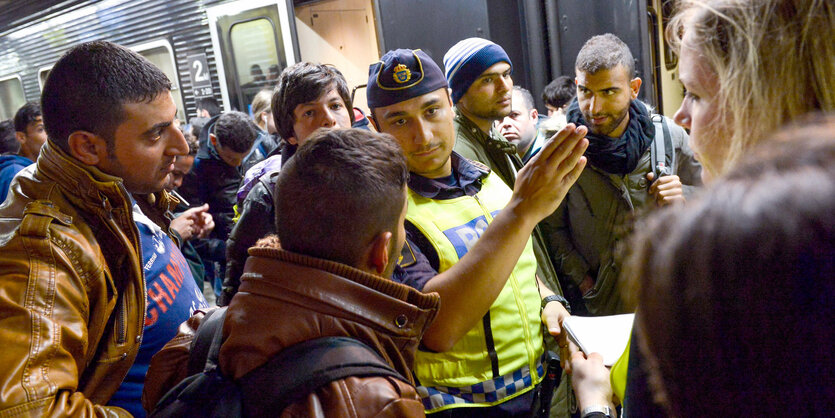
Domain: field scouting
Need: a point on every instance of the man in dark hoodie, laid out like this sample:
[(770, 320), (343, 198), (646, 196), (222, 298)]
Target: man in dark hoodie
[(31, 136), (225, 141), (216, 175)]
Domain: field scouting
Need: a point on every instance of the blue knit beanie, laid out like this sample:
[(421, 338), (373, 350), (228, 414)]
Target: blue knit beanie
[(467, 59), (401, 75)]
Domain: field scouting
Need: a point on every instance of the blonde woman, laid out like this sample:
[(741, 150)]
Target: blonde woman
[(749, 67), (260, 109), (267, 142)]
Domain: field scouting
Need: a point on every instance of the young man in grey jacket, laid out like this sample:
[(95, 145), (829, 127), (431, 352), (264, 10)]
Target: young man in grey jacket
[(619, 182)]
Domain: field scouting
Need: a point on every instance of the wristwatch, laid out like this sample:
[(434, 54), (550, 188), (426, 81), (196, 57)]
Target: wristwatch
[(555, 298), (602, 409)]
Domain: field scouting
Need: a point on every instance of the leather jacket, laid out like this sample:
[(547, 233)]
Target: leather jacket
[(286, 298), (73, 292)]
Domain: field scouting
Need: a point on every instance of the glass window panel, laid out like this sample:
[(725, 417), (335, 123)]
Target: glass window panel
[(11, 97), (161, 57), (256, 60)]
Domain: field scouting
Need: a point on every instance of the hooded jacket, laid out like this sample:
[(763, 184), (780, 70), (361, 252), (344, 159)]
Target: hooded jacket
[(73, 292), (286, 298), (262, 148), (10, 165), (212, 181)]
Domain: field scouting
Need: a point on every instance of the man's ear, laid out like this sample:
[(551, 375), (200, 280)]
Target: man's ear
[(87, 147), (534, 114), (213, 138), (292, 140), (635, 86), (378, 253), (21, 137)]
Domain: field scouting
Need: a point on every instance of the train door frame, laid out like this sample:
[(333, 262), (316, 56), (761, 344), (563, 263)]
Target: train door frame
[(666, 65), (656, 38), (285, 26)]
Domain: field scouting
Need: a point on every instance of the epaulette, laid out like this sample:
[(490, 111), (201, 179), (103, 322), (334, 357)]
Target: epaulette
[(479, 165), (38, 215), (407, 256)]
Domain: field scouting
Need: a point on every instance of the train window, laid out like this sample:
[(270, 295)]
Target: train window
[(160, 54), (255, 54), (43, 73), (252, 40), (11, 96)]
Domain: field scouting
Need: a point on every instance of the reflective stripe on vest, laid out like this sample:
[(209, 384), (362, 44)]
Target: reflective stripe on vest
[(474, 365)]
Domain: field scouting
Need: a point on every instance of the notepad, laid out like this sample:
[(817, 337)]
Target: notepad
[(606, 335)]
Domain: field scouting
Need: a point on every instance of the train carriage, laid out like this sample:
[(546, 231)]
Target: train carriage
[(231, 49)]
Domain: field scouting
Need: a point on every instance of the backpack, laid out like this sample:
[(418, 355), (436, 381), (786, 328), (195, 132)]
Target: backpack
[(662, 152), (266, 391)]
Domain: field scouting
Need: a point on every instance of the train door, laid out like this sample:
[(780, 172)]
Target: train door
[(253, 41), (341, 33)]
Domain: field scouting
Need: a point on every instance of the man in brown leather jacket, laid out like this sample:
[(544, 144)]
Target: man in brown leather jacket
[(339, 216), (72, 291)]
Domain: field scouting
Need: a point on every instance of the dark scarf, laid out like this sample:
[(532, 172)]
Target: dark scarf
[(618, 155)]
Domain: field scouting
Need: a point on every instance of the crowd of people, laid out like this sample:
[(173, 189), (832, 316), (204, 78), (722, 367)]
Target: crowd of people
[(145, 263)]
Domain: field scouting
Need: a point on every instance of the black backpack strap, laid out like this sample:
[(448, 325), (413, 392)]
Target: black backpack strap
[(300, 369), (662, 152), (206, 341)]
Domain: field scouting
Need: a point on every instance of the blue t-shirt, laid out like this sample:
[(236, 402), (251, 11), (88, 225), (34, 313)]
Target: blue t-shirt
[(172, 296)]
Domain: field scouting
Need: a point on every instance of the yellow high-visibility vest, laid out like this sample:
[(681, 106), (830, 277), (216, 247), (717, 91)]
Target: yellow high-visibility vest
[(500, 357)]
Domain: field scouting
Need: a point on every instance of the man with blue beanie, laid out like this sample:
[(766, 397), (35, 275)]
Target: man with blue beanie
[(478, 72), (468, 238)]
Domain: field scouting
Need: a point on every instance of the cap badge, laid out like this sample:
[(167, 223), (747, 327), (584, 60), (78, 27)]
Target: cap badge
[(402, 74)]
